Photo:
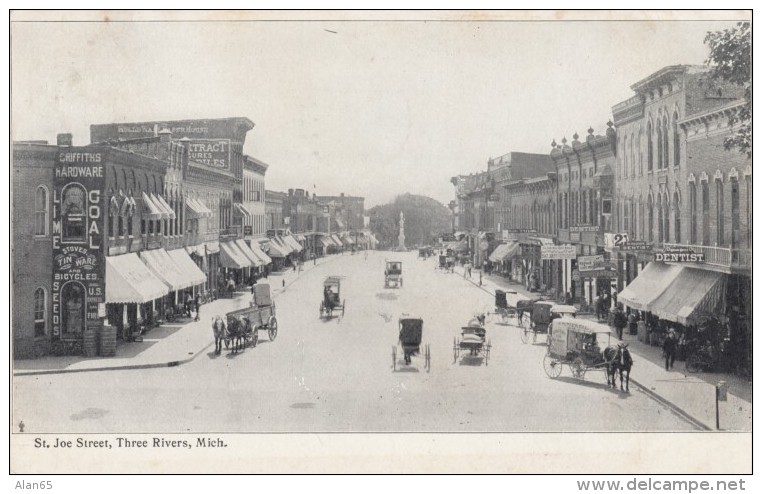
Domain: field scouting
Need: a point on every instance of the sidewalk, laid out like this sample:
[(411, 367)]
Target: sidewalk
[(168, 345), (690, 395)]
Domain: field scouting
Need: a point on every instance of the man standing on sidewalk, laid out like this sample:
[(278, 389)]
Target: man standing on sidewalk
[(670, 348), (620, 321)]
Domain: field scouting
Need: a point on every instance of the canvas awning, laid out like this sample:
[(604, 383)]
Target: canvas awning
[(241, 211), (195, 209), (159, 201), (693, 291), (129, 281), (250, 255), (336, 240), (260, 253), (291, 242), (325, 241), (504, 251), (231, 257), (150, 211), (166, 269), (213, 247), (650, 283), (199, 250), (277, 249), (187, 266), (300, 238), (346, 241)]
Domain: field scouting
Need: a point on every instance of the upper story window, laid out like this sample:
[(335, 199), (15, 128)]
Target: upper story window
[(40, 312), (73, 213), (649, 134), (41, 210), (676, 138)]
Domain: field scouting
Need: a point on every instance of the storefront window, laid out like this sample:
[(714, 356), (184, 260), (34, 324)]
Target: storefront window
[(73, 303)]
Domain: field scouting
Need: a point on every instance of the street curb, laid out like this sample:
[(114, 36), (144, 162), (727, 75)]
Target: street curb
[(672, 407), (653, 395), (172, 363)]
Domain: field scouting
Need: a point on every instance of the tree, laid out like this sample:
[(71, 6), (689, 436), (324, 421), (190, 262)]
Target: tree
[(730, 54), (425, 220)]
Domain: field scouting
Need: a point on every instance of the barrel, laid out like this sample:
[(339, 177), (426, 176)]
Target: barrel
[(90, 342), (107, 342)]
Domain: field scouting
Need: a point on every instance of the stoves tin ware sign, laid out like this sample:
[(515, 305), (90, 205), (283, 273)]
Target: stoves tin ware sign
[(78, 264)]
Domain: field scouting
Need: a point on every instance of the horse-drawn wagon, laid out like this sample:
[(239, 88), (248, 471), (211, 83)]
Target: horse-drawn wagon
[(473, 339), (332, 297), (243, 325), (393, 274), (410, 340), (574, 343)]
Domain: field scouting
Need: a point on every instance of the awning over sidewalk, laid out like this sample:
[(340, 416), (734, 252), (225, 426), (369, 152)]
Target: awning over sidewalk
[(277, 249), (692, 291), (213, 247), (325, 241), (187, 266), (291, 242), (250, 255), (650, 283), (166, 269), (300, 238), (129, 281), (260, 253), (159, 201), (231, 257), (199, 250), (504, 251), (239, 210), (336, 240)]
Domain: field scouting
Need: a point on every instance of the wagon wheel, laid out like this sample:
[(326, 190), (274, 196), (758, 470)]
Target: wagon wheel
[(525, 335), (428, 358), (343, 306), (454, 350), (552, 366), (578, 368), (394, 358), (272, 328)]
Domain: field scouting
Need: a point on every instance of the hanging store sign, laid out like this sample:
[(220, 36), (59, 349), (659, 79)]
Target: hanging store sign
[(636, 246), (589, 263), (584, 228), (681, 254), (565, 251), (615, 240)]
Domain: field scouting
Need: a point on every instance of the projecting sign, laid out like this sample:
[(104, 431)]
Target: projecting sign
[(558, 252), (588, 263), (679, 255)]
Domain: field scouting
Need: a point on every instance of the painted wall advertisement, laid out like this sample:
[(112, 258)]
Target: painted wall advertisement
[(77, 238), (210, 152)]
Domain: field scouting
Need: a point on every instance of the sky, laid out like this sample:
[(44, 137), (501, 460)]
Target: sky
[(374, 109)]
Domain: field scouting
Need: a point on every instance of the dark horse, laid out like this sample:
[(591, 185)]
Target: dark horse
[(236, 334), (622, 362)]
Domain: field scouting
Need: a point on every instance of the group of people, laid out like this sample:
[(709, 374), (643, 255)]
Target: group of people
[(192, 304)]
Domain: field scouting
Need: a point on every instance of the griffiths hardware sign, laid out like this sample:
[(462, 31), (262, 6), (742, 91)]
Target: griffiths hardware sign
[(682, 254)]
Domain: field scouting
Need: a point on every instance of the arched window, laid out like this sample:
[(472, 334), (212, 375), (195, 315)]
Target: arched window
[(632, 155), (676, 212), (41, 211), (665, 208), (735, 213), (73, 211), (624, 157), (626, 222), (650, 213), (720, 187), (692, 211), (640, 152), (659, 145), (705, 213), (649, 134), (40, 312), (676, 139), (665, 130)]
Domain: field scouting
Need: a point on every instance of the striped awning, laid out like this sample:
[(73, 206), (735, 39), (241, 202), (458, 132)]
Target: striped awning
[(693, 291), (231, 257), (248, 253), (300, 237), (166, 269), (150, 210), (277, 249), (196, 209), (326, 241), (187, 266), (129, 281), (504, 251), (159, 201), (291, 242), (239, 210), (650, 283), (260, 253), (336, 240)]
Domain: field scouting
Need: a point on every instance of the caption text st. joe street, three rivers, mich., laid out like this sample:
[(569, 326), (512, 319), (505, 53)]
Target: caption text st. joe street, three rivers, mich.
[(123, 442)]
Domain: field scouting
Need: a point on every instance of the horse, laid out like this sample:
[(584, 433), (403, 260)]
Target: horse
[(235, 334), (609, 354), (623, 363), (219, 330)]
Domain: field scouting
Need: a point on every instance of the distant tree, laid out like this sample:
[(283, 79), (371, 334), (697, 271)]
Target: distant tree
[(425, 220), (730, 56)]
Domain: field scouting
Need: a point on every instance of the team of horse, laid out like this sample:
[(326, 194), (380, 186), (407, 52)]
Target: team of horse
[(235, 334), (618, 359)]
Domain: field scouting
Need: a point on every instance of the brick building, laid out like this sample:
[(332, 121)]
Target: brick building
[(681, 191)]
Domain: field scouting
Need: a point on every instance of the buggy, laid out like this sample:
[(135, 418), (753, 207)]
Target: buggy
[(574, 343), (332, 297), (410, 337), (473, 339), (393, 274)]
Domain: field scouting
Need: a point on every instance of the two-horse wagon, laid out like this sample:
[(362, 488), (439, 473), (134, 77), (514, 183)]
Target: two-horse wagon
[(243, 325)]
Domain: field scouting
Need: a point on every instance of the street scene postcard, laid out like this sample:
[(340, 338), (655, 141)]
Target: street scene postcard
[(381, 241)]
